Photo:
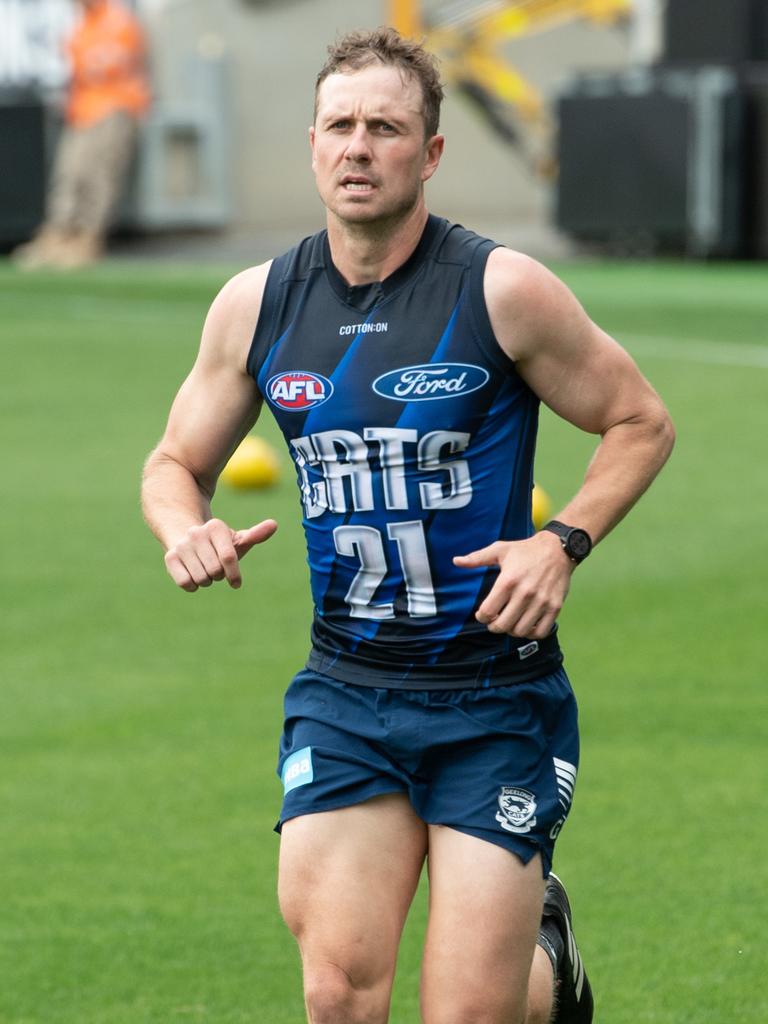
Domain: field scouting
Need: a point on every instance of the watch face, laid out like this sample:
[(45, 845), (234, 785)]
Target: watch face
[(579, 544)]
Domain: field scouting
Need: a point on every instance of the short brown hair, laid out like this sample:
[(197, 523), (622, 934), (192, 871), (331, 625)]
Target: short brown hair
[(359, 49)]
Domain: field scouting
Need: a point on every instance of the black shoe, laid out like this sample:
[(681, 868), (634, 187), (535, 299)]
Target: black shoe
[(573, 995)]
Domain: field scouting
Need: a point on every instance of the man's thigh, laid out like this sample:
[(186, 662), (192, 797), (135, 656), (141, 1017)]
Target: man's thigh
[(501, 764), (485, 910), (347, 878)]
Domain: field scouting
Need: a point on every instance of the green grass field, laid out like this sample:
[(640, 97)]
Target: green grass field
[(138, 724)]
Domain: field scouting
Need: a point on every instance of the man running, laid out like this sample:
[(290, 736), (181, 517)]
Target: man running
[(404, 359)]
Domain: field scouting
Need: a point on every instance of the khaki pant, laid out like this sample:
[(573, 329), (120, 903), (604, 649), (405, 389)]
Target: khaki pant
[(89, 173)]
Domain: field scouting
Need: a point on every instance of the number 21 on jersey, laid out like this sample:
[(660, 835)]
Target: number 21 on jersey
[(367, 545)]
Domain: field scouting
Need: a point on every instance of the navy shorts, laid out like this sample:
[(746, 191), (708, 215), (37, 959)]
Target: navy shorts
[(498, 763)]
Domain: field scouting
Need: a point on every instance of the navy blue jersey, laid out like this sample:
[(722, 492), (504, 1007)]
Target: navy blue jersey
[(413, 439)]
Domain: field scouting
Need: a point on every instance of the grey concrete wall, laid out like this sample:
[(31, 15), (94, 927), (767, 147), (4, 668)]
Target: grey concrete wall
[(274, 50)]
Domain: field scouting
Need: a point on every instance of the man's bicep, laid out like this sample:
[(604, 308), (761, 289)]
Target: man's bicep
[(587, 379), (576, 369), (219, 401), (214, 409)]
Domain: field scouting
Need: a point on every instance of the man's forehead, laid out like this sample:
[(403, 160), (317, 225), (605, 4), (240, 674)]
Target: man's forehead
[(376, 86)]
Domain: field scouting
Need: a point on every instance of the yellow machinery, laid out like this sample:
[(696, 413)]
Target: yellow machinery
[(468, 37)]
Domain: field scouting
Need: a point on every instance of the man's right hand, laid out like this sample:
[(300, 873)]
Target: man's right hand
[(212, 552)]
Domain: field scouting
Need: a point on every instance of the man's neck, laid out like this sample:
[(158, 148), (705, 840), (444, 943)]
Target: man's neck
[(363, 253)]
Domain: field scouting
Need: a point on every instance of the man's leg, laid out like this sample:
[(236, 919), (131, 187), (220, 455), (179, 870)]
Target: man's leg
[(347, 879), (481, 963), (106, 150), (65, 184), (573, 999), (52, 236)]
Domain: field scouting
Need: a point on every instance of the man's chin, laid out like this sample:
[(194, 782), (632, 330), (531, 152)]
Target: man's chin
[(367, 212), (360, 214), (354, 207)]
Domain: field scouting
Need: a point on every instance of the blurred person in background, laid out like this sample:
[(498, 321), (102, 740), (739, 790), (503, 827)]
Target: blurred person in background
[(108, 94)]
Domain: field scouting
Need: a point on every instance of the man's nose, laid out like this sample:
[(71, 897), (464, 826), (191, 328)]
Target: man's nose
[(359, 147)]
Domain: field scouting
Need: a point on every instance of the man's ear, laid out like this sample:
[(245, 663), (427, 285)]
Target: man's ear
[(434, 151)]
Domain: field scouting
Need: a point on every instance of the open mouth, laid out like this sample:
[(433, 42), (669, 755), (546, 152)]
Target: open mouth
[(360, 185)]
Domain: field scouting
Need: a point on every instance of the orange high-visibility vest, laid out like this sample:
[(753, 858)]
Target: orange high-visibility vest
[(106, 52)]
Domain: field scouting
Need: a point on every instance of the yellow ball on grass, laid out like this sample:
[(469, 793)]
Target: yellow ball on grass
[(253, 464), (541, 506)]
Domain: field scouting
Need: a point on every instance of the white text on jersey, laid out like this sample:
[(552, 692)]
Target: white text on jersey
[(379, 327), (337, 469)]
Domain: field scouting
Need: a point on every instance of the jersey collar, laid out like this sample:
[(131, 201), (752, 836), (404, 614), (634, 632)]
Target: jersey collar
[(363, 297)]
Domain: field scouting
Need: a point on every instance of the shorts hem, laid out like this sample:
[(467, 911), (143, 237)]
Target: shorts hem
[(337, 804), (524, 849)]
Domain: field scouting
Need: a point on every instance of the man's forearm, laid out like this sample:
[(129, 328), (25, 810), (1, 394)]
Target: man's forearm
[(627, 460), (172, 499)]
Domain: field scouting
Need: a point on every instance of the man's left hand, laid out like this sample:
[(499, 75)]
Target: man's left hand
[(533, 581)]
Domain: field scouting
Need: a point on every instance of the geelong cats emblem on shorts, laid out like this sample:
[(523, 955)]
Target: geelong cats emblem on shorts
[(518, 808)]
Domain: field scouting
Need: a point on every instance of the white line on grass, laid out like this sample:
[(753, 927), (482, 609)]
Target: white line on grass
[(691, 350)]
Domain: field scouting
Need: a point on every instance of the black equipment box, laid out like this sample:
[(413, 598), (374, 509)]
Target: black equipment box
[(652, 161), (715, 31), (754, 85), (22, 182)]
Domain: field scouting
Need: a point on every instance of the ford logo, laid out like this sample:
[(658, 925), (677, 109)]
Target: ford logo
[(430, 380)]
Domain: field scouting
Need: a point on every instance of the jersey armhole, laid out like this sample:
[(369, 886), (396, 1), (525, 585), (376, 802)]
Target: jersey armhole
[(484, 331), (264, 328)]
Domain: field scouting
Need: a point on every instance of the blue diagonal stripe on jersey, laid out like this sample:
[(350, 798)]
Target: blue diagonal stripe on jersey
[(342, 368), (317, 538), (264, 372), (509, 408), (487, 522), (413, 415), (497, 470), (445, 340)]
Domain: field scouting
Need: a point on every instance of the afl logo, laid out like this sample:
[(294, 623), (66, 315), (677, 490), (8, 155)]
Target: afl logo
[(429, 381), (299, 390)]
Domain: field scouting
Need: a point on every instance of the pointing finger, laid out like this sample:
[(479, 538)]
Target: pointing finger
[(244, 540), (483, 556)]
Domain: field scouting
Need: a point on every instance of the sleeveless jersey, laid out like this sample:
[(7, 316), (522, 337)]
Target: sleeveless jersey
[(413, 439)]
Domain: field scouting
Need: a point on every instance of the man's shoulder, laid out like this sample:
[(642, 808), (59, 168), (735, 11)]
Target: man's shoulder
[(242, 294), (526, 302), (515, 268), (516, 281), (234, 313)]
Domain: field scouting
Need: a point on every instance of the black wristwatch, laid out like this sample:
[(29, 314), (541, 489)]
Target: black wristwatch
[(577, 543)]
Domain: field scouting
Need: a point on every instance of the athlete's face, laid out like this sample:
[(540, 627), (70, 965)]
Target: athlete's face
[(369, 153)]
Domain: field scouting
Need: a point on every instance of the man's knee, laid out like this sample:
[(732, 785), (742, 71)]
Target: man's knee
[(333, 996)]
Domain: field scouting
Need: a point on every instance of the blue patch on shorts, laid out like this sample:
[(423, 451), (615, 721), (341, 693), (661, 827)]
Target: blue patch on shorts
[(499, 763), (297, 769)]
